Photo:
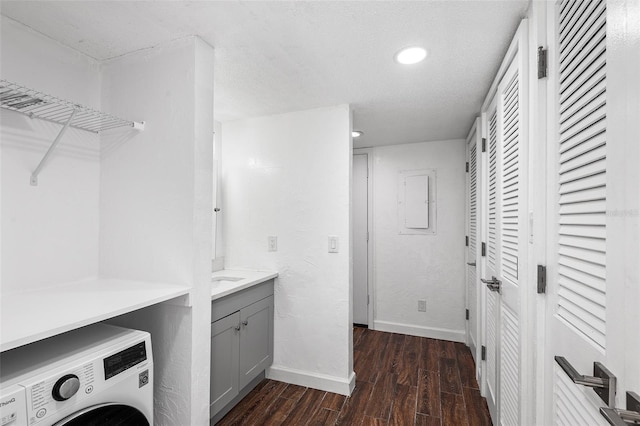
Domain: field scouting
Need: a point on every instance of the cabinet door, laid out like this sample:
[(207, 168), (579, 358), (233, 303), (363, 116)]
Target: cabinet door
[(225, 345), (256, 339)]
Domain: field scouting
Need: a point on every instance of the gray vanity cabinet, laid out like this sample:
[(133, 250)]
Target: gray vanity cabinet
[(241, 345)]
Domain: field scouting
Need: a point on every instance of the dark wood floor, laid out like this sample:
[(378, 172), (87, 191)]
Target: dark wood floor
[(401, 380)]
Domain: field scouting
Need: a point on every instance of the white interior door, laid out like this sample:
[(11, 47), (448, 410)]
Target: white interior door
[(492, 308), (593, 252), (490, 266), (506, 238), (360, 227), (512, 243), (472, 240)]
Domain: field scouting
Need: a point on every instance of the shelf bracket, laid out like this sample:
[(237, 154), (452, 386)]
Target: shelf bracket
[(36, 172)]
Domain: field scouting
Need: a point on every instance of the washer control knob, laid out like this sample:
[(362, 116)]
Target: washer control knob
[(65, 387)]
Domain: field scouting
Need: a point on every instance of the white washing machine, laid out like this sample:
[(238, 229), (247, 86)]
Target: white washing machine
[(98, 375)]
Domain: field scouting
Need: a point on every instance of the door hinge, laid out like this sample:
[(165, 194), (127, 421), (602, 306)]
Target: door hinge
[(483, 353), (367, 236), (367, 299), (483, 250), (466, 168), (466, 314), (542, 279), (484, 144), (466, 240), (542, 62)]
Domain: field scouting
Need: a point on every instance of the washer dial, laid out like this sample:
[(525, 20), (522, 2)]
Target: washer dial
[(65, 387)]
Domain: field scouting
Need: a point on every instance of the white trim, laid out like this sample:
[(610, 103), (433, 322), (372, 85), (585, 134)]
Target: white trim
[(467, 220), (308, 379), (548, 237), (534, 318), (371, 288), (421, 331), (512, 51)]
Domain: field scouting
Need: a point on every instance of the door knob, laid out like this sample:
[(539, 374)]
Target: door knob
[(603, 381), (630, 416), (493, 284)]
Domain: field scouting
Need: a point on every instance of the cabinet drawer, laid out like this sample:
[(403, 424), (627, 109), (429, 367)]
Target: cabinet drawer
[(234, 302)]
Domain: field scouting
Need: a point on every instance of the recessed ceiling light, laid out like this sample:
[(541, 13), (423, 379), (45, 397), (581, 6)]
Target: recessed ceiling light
[(411, 55), (356, 134)]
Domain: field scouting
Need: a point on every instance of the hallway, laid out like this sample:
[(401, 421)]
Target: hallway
[(401, 380)]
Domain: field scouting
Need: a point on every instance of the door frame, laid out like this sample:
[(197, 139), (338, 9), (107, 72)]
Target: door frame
[(370, 244), (538, 116)]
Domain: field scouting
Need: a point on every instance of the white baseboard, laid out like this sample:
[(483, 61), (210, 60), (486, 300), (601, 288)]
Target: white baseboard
[(313, 380), (416, 330), (472, 346)]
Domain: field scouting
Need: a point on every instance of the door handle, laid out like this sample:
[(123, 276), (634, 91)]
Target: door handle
[(471, 263), (603, 381), (630, 416), (493, 284)]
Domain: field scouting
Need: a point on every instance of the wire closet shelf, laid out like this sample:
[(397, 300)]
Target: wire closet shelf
[(36, 104), (39, 105)]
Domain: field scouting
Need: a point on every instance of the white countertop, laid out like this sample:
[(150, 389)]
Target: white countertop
[(35, 315), (247, 279)]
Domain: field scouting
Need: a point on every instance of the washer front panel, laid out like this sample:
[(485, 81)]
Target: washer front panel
[(40, 402), (13, 406)]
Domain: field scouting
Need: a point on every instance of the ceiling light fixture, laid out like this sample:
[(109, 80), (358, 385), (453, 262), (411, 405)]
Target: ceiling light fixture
[(356, 134), (411, 55)]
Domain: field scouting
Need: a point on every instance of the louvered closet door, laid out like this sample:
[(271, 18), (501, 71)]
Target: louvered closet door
[(492, 299), (472, 232), (579, 330), (506, 240), (511, 243)]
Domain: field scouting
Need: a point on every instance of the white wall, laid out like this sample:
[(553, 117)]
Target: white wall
[(156, 203), (124, 204), (412, 267), (50, 231), (289, 176), (219, 216)]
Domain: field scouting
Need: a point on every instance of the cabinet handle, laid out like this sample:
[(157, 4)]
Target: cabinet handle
[(630, 416), (237, 328), (245, 322)]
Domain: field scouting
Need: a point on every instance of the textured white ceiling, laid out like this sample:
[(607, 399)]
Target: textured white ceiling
[(280, 56)]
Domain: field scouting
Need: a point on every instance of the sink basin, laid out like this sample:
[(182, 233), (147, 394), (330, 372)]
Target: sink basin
[(232, 279)]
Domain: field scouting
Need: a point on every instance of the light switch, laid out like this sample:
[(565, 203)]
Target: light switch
[(272, 243), (333, 244)]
